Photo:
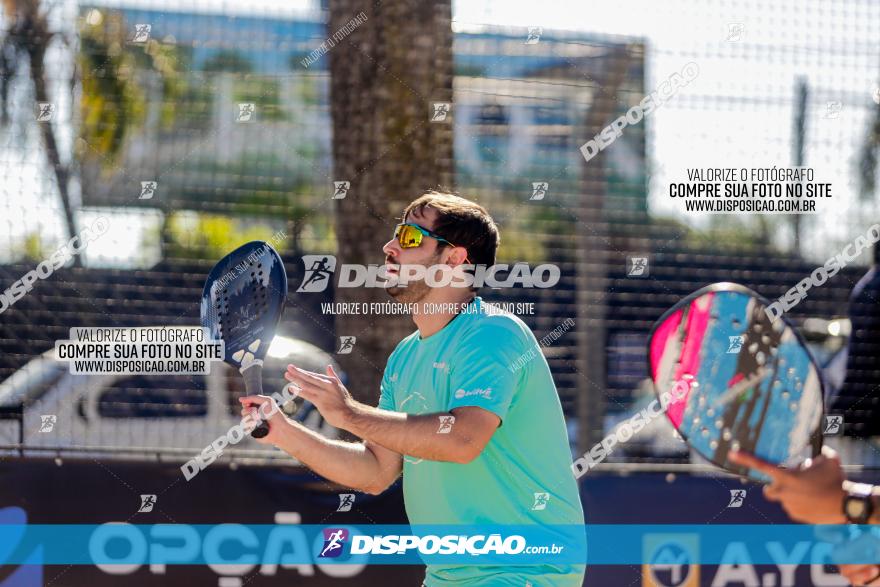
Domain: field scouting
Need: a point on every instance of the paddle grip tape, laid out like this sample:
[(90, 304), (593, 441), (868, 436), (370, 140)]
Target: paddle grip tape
[(253, 385)]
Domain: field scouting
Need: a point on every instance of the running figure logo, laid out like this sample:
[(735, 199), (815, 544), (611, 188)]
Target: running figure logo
[(147, 503), (637, 266), (333, 540), (832, 109), (346, 500), (246, 111), (47, 423), (737, 497), (541, 500), (346, 345), (148, 189), (534, 35), (735, 32), (539, 190), (45, 111), (141, 33), (441, 111), (833, 425), (340, 189), (319, 268), (446, 423), (736, 343)]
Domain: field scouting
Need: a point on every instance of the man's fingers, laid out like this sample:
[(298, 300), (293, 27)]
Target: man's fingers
[(309, 392), (254, 400), (313, 387), (753, 462), (813, 462), (299, 375), (773, 492), (253, 414), (295, 369), (302, 383)]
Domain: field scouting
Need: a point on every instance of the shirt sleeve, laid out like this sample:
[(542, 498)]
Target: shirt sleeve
[(485, 374), (386, 391)]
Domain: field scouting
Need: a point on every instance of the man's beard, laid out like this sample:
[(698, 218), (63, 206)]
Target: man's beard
[(415, 291)]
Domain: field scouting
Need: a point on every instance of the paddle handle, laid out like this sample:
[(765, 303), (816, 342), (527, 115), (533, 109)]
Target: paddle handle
[(253, 384)]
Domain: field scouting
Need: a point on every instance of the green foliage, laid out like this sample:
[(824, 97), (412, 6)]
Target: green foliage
[(469, 70), (115, 87), (307, 88), (165, 60), (196, 104), (210, 236), (724, 233), (294, 60), (257, 185), (111, 102), (228, 60), (32, 248), (265, 93)]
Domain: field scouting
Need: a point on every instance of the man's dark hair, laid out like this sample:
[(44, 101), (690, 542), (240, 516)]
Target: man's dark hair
[(463, 223)]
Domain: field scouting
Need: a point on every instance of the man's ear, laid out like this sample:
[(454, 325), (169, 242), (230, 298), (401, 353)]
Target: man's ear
[(457, 256)]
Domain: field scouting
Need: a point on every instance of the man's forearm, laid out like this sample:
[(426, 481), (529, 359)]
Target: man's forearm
[(346, 463), (416, 436)]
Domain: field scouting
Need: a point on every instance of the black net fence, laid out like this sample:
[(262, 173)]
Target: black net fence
[(190, 131)]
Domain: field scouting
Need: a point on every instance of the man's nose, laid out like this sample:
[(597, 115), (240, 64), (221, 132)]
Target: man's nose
[(391, 248)]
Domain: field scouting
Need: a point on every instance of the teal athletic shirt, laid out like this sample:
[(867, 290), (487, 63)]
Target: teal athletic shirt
[(489, 359)]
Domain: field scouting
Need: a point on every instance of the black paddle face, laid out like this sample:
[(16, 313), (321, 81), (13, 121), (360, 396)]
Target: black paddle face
[(744, 381), (242, 303), (243, 300)]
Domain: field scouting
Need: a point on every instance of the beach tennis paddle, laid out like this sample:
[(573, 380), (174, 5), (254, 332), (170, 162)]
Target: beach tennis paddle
[(242, 303), (745, 381)]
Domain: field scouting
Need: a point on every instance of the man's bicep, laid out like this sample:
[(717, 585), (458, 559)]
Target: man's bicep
[(476, 424)]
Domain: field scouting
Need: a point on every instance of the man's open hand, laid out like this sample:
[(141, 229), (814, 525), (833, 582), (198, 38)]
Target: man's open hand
[(326, 392)]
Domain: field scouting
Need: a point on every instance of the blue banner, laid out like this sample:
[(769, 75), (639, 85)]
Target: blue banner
[(284, 544)]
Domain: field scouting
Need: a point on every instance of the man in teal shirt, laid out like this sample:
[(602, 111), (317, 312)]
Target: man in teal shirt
[(468, 410)]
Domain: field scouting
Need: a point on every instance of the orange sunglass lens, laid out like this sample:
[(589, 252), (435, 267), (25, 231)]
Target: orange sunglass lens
[(408, 236)]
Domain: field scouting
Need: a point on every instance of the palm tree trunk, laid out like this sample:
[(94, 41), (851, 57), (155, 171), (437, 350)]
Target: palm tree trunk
[(62, 174), (385, 74), (32, 26), (592, 267)]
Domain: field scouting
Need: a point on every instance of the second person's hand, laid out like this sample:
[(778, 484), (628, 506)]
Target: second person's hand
[(812, 494)]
